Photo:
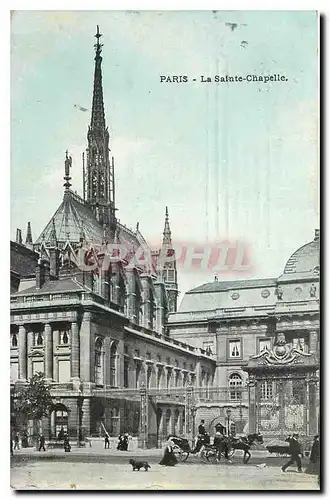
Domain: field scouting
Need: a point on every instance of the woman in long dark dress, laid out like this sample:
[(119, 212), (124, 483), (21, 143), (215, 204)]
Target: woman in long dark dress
[(169, 457), (314, 463)]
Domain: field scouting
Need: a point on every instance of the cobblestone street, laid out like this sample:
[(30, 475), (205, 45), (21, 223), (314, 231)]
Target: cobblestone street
[(184, 476)]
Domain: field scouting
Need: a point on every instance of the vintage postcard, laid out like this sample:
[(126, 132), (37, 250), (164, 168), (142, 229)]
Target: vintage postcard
[(165, 240)]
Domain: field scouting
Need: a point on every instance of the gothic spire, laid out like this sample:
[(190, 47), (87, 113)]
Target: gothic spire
[(167, 239), (19, 236), (99, 181), (28, 240), (98, 118), (52, 236)]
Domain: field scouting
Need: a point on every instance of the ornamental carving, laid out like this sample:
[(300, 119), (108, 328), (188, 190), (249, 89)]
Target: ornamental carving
[(234, 295), (279, 292), (312, 290), (281, 354), (265, 294)]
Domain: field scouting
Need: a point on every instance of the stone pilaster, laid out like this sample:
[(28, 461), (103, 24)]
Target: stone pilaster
[(86, 365), (313, 341), (48, 339), (86, 417), (252, 406), (75, 350), (313, 425), (22, 353), (30, 340)]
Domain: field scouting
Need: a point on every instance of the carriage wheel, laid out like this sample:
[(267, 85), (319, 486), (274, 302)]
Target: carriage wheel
[(211, 456), (231, 452), (178, 453)]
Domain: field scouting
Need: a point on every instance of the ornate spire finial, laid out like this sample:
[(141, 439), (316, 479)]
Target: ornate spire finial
[(52, 236), (167, 231), (28, 240), (98, 118), (98, 46), (67, 166)]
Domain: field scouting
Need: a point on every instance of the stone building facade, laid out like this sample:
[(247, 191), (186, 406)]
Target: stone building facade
[(95, 323), (238, 320)]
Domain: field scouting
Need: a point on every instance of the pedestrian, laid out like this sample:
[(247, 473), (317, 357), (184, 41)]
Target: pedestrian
[(169, 458), (16, 440), (106, 442), (42, 442), (11, 447), (125, 442), (314, 459), (67, 446), (201, 428), (295, 451)]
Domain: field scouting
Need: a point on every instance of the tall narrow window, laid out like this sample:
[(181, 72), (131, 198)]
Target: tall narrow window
[(126, 367), (264, 344), (14, 340), (113, 365), (39, 339)]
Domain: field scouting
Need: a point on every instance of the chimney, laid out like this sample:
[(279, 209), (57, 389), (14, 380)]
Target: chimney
[(317, 235), (19, 236), (47, 271), (40, 274), (54, 260)]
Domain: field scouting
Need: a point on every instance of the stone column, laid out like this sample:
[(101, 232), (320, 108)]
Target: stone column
[(86, 362), (313, 427), (75, 350), (143, 436), (86, 417), (30, 339), (22, 353), (313, 341), (48, 352), (252, 406), (281, 395)]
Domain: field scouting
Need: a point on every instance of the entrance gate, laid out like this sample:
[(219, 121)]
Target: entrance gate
[(282, 391)]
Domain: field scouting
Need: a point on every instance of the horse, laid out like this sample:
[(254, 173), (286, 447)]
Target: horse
[(244, 443)]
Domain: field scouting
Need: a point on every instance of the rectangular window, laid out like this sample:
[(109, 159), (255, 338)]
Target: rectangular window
[(13, 372), (38, 366), (264, 344), (235, 349), (64, 372), (299, 344), (170, 275)]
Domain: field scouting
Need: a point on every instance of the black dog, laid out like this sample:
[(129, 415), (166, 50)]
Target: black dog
[(137, 465)]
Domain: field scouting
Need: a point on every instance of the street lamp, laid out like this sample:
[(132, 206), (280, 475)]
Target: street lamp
[(228, 413), (193, 414)]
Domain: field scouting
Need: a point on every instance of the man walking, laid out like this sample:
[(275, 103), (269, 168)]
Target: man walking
[(16, 440), (106, 442), (295, 451), (42, 442)]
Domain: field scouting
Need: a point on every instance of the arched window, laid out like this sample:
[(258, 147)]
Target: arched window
[(235, 383), (14, 340), (113, 365), (99, 354)]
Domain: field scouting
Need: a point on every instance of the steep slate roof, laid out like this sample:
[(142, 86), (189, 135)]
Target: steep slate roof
[(71, 218)]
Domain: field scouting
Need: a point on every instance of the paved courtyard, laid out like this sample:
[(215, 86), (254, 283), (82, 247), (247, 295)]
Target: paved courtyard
[(45, 474)]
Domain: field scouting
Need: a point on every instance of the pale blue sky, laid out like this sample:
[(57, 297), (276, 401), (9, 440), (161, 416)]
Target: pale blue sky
[(264, 171)]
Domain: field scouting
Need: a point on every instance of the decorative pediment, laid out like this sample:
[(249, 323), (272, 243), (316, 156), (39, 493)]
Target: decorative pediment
[(282, 355)]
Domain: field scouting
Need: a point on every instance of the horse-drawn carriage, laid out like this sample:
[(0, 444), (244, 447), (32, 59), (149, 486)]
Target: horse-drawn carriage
[(211, 453)]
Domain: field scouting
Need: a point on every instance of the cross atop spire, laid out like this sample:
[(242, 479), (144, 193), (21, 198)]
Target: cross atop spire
[(98, 46), (98, 118)]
